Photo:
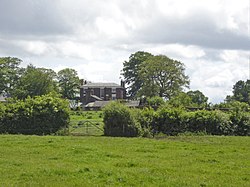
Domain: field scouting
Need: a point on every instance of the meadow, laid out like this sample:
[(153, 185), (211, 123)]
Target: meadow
[(106, 161)]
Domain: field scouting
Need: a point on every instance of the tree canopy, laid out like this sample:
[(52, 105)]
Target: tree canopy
[(9, 74), (241, 92), (162, 77), (35, 82), (131, 70), (149, 75), (68, 83), (198, 98)]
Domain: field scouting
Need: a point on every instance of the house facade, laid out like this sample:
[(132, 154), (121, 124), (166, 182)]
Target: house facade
[(91, 92)]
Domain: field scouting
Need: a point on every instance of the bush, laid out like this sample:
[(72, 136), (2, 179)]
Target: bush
[(241, 123), (155, 102), (170, 121), (119, 121), (145, 118), (40, 115), (211, 122)]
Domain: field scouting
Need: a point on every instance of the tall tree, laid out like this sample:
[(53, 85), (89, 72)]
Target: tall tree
[(198, 98), (9, 74), (34, 82), (131, 70), (241, 92), (162, 76), (69, 83)]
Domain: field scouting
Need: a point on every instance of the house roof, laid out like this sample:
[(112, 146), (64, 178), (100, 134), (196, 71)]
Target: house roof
[(101, 104), (96, 97), (97, 104), (100, 84), (2, 98), (135, 103)]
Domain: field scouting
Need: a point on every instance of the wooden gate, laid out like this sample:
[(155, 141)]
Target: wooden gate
[(87, 128)]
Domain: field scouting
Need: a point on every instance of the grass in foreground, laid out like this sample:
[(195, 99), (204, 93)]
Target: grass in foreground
[(103, 161)]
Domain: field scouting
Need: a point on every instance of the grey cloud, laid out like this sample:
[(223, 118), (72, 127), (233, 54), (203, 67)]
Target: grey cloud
[(197, 29), (31, 18)]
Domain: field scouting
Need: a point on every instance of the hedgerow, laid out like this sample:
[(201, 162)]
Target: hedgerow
[(119, 121), (40, 115)]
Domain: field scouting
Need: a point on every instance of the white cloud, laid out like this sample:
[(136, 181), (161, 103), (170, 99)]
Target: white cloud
[(94, 37)]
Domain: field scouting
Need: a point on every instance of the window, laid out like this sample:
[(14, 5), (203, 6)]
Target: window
[(113, 96), (113, 90), (102, 92)]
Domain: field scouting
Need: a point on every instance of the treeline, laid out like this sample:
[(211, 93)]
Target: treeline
[(120, 120), (18, 82)]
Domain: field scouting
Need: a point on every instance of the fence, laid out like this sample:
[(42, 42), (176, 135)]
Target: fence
[(86, 128)]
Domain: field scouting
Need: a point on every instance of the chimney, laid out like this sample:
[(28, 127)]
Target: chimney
[(122, 83), (81, 82)]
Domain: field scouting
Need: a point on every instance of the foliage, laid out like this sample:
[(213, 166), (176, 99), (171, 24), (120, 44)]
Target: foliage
[(211, 122), (40, 115), (145, 118), (241, 122), (235, 106), (173, 121), (180, 100), (35, 82), (198, 98), (162, 77), (9, 74), (69, 83), (155, 101), (119, 121), (241, 91), (170, 121), (131, 69)]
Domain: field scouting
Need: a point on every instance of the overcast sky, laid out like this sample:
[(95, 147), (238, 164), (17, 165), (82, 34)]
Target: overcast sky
[(95, 37)]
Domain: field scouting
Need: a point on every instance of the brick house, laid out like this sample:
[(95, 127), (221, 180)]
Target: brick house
[(91, 92)]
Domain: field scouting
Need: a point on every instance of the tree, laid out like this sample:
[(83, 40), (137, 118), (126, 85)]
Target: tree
[(68, 83), (198, 98), (241, 92), (182, 99), (162, 76), (131, 69), (9, 74), (35, 82)]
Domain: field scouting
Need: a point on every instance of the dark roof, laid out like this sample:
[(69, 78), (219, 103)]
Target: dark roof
[(100, 84), (2, 98)]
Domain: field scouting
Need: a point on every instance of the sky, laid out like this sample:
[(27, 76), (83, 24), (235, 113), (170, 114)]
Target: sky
[(95, 37)]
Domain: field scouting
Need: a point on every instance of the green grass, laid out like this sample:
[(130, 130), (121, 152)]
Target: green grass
[(104, 161)]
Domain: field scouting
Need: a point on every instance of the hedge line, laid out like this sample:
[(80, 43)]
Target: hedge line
[(40, 115), (172, 121)]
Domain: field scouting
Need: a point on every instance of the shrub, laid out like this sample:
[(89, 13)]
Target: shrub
[(40, 115), (155, 102), (119, 121), (211, 122), (170, 121), (145, 118), (241, 123)]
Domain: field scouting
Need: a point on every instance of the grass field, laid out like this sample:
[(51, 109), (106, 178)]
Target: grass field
[(104, 161)]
